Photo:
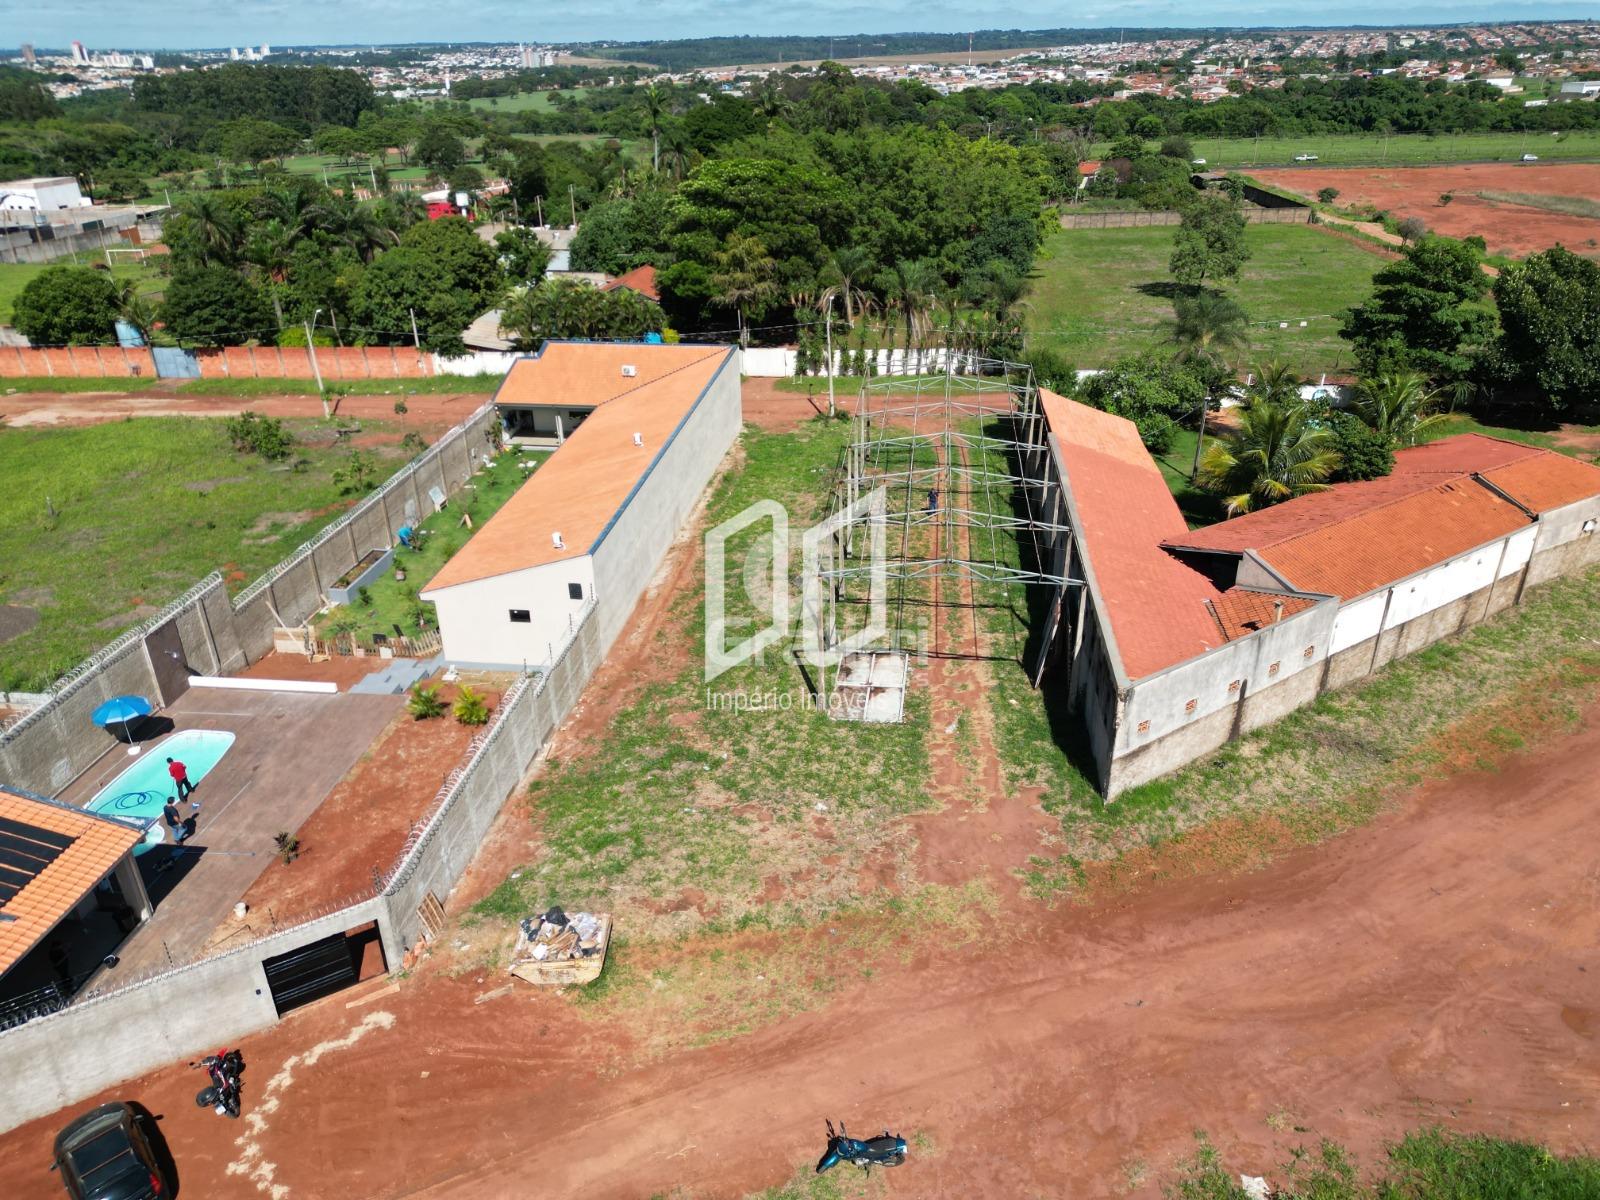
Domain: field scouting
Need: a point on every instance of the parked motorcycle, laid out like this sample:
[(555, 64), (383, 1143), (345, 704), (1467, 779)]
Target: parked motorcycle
[(885, 1151), (222, 1094)]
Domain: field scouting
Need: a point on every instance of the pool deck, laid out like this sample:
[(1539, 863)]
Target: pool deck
[(289, 752)]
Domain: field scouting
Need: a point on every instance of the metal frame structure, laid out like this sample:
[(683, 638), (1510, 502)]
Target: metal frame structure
[(973, 509)]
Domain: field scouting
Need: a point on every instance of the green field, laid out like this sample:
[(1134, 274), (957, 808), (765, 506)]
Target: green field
[(16, 276), (524, 101), (1364, 149), (1101, 293), (100, 526)]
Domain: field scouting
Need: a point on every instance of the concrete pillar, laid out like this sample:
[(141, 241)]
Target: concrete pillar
[(132, 885)]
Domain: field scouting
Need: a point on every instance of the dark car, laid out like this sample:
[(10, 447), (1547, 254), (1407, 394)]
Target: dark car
[(106, 1155)]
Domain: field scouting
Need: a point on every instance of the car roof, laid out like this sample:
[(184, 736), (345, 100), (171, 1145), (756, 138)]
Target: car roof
[(97, 1150)]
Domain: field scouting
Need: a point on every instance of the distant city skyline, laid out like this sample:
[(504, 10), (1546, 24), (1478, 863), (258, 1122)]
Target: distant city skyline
[(285, 24)]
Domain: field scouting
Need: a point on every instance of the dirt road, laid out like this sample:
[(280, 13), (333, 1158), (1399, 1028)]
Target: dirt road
[(428, 412), (1436, 966)]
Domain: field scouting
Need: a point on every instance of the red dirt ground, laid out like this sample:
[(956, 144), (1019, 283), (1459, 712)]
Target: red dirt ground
[(1512, 229), (364, 822), (429, 413), (1435, 966)]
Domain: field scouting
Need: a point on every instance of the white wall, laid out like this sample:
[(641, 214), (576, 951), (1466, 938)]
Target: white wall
[(44, 196), (475, 618)]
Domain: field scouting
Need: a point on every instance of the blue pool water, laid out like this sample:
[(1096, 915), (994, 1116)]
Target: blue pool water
[(139, 793)]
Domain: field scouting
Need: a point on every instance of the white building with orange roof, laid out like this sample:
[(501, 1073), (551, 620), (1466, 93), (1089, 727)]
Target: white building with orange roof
[(640, 431)]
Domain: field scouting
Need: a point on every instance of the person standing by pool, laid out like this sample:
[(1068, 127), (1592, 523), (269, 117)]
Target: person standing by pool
[(169, 813), (180, 777)]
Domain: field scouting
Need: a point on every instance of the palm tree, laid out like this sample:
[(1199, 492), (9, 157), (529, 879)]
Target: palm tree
[(1398, 404), (743, 279), (655, 107), (847, 269), (1205, 327), (215, 227), (135, 309), (770, 101), (267, 249), (910, 290), (401, 211), (1275, 383), (676, 148), (1277, 453)]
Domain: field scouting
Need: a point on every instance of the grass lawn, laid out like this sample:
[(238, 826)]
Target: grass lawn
[(16, 276), (1101, 293), (68, 383), (355, 387), (525, 101), (101, 525), (1335, 149), (394, 602), (686, 794)]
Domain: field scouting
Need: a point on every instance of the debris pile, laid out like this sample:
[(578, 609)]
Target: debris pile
[(555, 947)]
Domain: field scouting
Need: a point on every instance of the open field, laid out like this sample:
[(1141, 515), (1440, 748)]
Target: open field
[(16, 276), (526, 101), (1335, 149), (100, 526), (1102, 293), (1484, 200), (429, 411)]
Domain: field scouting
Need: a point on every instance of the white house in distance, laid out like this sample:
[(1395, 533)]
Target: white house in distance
[(41, 195), (594, 521)]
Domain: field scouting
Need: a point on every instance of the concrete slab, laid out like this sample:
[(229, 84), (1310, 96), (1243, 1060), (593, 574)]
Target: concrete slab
[(290, 751)]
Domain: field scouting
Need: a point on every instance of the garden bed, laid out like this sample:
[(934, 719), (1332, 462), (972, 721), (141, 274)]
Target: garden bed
[(372, 566)]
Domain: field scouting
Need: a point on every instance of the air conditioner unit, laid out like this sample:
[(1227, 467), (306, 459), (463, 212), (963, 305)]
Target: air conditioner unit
[(555, 540), (629, 372)]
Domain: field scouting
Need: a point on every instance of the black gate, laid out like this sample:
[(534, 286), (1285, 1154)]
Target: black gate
[(312, 971)]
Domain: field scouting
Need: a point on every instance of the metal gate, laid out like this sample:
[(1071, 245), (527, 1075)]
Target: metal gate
[(173, 362), (311, 972), (165, 647)]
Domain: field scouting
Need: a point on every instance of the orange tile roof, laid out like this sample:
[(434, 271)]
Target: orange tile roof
[(640, 279), (583, 484), (1371, 549), (98, 842), (1462, 454), (1546, 481), (1242, 611), (1156, 604)]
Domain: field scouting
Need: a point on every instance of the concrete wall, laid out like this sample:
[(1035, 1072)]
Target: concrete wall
[(1234, 689), (1141, 220), (630, 549)]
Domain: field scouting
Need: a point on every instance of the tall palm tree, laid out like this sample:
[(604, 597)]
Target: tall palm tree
[(215, 227), (655, 107), (1206, 328), (676, 148), (1277, 453), (267, 249), (743, 279), (135, 309), (1399, 405), (1274, 382), (769, 99), (910, 290), (845, 274)]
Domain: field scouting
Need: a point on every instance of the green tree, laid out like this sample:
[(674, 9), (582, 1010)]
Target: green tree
[(1152, 391), (743, 280), (208, 230), (405, 284), (1548, 350), (215, 306), (1399, 405), (1278, 452), (440, 150), (1206, 328), (253, 141), (523, 257), (630, 231), (1364, 453), (1328, 195), (654, 99), (1423, 314), (1209, 243), (567, 308), (68, 306)]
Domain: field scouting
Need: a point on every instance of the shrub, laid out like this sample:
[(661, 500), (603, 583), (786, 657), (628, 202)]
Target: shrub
[(288, 847), (425, 703), (1328, 195), (471, 708), (64, 306), (1364, 453), (251, 433), (1411, 229), (359, 473), (364, 595)]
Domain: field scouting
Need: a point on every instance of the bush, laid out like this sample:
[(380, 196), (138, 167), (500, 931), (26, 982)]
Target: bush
[(251, 433), (1411, 229), (1328, 195), (425, 703), (1177, 146), (1364, 453), (1151, 391), (471, 708), (1052, 370), (359, 473), (67, 306)]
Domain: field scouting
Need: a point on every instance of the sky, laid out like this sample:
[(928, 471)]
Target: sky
[(188, 24)]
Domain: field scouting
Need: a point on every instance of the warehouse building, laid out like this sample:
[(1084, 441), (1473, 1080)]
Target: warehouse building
[(642, 430), (1182, 640)]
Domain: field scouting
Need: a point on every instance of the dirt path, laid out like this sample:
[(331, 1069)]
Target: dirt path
[(430, 413), (1437, 965)]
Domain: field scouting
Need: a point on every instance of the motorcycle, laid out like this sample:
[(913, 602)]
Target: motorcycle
[(885, 1151), (222, 1094)]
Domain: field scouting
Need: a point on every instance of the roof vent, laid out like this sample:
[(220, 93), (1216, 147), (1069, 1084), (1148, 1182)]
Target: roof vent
[(555, 540), (629, 371), (638, 439)]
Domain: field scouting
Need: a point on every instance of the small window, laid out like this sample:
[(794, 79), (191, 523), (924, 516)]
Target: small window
[(1309, 651), (520, 616), (1144, 726), (1191, 706), (1273, 669), (1233, 688), (574, 591)]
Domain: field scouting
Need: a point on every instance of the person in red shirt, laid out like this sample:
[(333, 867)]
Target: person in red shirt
[(180, 777)]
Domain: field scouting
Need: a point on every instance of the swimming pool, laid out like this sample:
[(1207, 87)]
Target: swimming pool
[(140, 792)]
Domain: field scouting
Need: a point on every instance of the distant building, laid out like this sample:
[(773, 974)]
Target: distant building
[(27, 54), (1579, 89), (41, 195), (641, 280), (80, 56)]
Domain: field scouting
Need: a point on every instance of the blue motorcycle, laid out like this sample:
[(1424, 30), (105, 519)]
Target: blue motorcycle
[(885, 1151)]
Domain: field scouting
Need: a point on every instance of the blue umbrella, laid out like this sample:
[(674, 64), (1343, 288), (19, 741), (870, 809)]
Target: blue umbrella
[(122, 710)]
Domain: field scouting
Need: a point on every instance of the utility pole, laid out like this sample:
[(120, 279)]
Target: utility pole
[(572, 195), (415, 339), (1205, 403), (311, 349), (829, 326)]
